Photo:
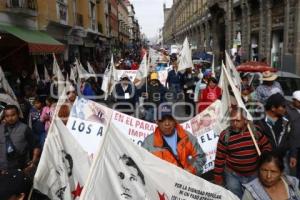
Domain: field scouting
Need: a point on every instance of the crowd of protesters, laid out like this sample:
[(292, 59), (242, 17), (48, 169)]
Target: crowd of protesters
[(238, 165)]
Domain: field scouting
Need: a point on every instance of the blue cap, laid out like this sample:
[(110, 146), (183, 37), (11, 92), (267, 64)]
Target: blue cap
[(165, 112)]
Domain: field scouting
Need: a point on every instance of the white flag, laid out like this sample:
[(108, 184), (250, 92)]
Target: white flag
[(236, 92), (8, 91), (60, 77), (213, 66), (110, 78), (36, 74), (72, 75), (63, 167), (91, 70), (123, 170), (143, 70), (82, 73), (185, 59), (55, 65), (233, 72), (46, 75)]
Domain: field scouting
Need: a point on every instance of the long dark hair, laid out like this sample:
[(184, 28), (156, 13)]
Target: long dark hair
[(269, 157)]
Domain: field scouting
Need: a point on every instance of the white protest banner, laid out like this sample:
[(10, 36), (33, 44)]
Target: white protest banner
[(88, 132), (130, 73), (163, 75), (206, 128), (127, 171), (64, 165), (136, 129), (88, 122)]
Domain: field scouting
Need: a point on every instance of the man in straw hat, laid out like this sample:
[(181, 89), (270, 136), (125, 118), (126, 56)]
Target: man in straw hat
[(268, 87)]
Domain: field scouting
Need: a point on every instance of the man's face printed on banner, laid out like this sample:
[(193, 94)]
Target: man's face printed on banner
[(132, 179)]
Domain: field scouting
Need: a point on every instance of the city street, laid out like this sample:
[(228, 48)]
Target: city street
[(146, 100)]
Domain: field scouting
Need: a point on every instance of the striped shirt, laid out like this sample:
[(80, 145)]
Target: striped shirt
[(238, 153)]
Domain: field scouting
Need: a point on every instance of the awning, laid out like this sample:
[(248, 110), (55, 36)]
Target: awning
[(38, 42)]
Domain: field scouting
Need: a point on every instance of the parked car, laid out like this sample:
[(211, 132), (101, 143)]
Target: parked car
[(289, 82)]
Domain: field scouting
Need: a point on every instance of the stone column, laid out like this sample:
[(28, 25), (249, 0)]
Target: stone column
[(261, 47), (248, 34), (297, 36), (286, 26), (244, 31), (207, 35), (268, 31), (228, 25)]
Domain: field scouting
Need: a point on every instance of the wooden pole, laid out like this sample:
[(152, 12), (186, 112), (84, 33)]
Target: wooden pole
[(253, 139)]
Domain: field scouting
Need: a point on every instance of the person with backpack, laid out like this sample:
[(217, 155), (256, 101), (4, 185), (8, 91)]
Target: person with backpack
[(237, 156)]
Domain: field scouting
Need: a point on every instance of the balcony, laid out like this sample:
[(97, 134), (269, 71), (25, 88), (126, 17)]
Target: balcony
[(100, 28), (78, 19), (93, 24), (24, 7), (62, 12)]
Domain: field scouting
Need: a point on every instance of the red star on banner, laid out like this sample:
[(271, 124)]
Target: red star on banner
[(77, 191), (161, 196)]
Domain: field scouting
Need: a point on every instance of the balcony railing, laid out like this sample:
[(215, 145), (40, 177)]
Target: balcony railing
[(25, 4), (79, 20), (93, 24)]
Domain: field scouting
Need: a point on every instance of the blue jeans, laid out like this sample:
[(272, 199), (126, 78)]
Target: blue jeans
[(234, 182), (176, 90)]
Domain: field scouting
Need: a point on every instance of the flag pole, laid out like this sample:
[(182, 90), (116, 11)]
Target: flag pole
[(147, 65), (253, 138)]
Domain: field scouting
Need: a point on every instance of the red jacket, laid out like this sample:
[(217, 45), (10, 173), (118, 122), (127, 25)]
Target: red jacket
[(208, 96)]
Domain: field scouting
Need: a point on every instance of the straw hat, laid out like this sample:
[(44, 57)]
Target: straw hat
[(269, 76)]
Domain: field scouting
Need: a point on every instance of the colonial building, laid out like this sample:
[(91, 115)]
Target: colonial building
[(257, 29), (113, 25), (134, 29), (123, 16)]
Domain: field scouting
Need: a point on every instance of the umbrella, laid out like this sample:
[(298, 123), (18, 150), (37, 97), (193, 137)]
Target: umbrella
[(255, 67), (202, 57)]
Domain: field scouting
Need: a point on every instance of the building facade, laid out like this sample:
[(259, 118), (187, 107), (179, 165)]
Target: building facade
[(256, 29), (87, 29), (123, 16)]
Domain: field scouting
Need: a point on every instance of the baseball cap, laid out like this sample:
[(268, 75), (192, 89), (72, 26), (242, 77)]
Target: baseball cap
[(165, 112), (296, 95)]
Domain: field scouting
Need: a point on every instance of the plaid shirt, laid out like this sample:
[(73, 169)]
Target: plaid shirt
[(263, 92)]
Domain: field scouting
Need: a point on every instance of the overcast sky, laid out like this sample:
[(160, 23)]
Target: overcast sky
[(150, 15)]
